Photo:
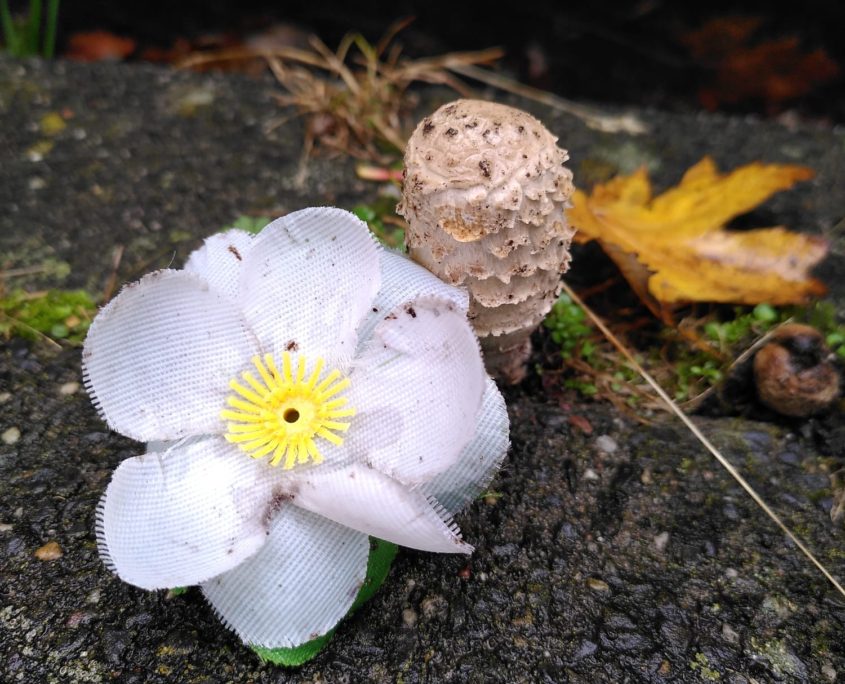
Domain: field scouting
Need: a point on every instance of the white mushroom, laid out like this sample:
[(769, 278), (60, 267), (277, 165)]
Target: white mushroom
[(484, 195)]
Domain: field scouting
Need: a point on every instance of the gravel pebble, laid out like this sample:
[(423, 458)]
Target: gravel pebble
[(606, 444), (11, 435)]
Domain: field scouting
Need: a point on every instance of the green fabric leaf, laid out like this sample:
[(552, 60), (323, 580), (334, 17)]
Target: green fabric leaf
[(381, 557)]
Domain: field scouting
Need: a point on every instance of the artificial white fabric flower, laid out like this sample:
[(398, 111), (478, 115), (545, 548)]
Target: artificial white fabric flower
[(300, 390)]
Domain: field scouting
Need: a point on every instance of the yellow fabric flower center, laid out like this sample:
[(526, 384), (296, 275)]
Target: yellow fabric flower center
[(286, 412)]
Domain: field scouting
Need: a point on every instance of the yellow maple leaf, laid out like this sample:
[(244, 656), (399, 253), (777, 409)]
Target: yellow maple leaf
[(674, 247)]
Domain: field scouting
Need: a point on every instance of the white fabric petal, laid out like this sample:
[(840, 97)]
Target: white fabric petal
[(298, 586), (422, 375), (371, 502), (220, 259), (404, 281), (456, 487), (308, 281), (158, 358), (180, 517)]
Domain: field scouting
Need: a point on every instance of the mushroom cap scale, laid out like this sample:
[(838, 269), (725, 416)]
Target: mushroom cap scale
[(470, 166), (484, 194)]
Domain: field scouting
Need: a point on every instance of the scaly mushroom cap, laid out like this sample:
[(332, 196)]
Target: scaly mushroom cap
[(484, 195)]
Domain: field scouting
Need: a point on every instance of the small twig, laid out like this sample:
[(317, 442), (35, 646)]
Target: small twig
[(302, 167), (701, 438), (392, 31), (593, 118), (36, 332), (111, 282), (334, 61), (352, 111), (24, 271), (242, 54), (379, 174)]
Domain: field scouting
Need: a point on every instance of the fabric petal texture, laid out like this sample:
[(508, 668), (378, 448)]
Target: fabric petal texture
[(219, 261), (182, 516), (479, 461), (308, 281), (309, 400), (408, 375), (402, 282), (298, 586), (369, 501), (159, 356)]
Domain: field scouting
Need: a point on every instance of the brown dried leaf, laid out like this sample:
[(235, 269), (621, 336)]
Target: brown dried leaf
[(774, 71)]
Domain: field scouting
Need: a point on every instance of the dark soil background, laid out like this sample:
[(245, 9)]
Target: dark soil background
[(612, 551), (609, 52)]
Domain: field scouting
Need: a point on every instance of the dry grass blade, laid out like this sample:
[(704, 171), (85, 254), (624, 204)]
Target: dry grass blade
[(111, 283), (37, 333), (213, 57), (703, 439), (593, 118), (354, 99), (25, 271), (610, 389), (335, 63), (392, 31)]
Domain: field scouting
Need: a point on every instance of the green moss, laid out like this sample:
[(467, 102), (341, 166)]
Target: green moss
[(821, 645), (695, 370), (820, 495), (702, 665), (686, 465), (683, 369), (179, 236), (51, 124), (775, 651), (55, 314)]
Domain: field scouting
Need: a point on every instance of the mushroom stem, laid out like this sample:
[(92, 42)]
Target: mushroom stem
[(484, 196)]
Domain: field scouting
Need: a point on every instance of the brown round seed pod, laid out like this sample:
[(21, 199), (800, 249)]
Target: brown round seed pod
[(793, 374), (484, 196)]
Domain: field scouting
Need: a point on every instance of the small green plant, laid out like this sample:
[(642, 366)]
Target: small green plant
[(685, 363), (54, 314), (598, 372), (726, 334), (691, 376), (822, 316), (22, 37), (569, 330), (249, 224), (381, 218), (694, 368)]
